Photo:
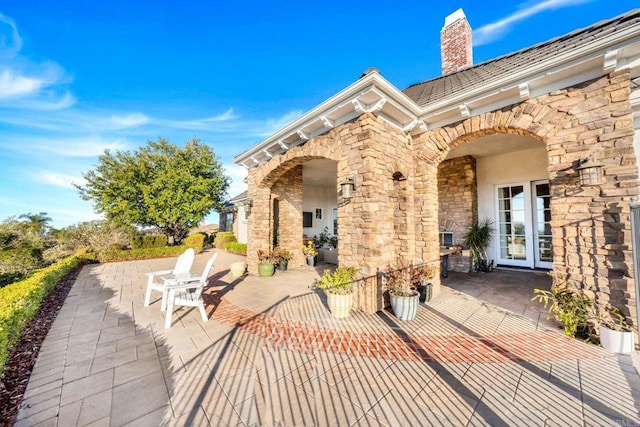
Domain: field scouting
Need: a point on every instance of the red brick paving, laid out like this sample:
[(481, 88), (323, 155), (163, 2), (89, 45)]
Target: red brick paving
[(543, 345)]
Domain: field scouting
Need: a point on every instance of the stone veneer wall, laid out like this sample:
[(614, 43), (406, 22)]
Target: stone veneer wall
[(288, 191), (591, 225), (458, 196)]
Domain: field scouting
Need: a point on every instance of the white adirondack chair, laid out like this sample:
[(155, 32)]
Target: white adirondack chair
[(188, 293), (157, 280)]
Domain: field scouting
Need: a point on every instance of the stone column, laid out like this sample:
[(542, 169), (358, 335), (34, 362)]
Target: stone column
[(426, 208), (288, 190), (259, 221)]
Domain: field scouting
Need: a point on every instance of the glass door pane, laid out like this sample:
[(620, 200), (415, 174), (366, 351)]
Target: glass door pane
[(512, 230), (542, 228)]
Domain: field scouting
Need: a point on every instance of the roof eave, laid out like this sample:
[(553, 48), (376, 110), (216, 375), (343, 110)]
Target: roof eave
[(370, 93)]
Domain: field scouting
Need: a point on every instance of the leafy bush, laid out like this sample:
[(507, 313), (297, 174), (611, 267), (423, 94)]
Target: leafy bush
[(21, 301), (22, 261), (140, 241), (97, 235), (223, 237), (236, 248), (142, 253), (195, 241), (340, 282)]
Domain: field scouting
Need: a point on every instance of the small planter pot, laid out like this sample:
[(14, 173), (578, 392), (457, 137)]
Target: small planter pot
[(282, 266), (266, 270), (311, 260), (405, 308), (339, 305), (238, 268), (425, 290), (616, 341)]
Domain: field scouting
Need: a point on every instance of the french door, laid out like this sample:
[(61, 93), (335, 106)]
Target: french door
[(524, 229)]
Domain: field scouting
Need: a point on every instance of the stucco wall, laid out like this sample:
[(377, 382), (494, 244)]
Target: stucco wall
[(508, 168), (319, 197)]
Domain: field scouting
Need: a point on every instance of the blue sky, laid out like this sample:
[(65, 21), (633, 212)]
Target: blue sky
[(78, 77)]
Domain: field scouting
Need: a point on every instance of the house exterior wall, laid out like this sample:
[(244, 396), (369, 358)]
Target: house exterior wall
[(458, 202), (394, 211), (591, 225)]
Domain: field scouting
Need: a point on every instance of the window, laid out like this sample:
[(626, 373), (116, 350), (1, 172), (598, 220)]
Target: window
[(307, 219), (446, 239), (335, 221), (318, 213)]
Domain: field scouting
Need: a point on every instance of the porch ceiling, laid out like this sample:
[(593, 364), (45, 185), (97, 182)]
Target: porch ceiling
[(320, 173), (494, 144)]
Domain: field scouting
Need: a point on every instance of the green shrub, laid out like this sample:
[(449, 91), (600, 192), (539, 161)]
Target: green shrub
[(9, 278), (23, 261), (141, 241), (236, 248), (195, 241), (223, 237), (21, 301), (142, 253)]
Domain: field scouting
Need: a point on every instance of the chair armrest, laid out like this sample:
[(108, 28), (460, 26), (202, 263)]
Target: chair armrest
[(159, 273), (183, 285)]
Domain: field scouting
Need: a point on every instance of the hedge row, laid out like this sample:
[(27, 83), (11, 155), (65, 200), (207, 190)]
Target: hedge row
[(223, 237), (195, 241), (236, 248), (21, 300), (141, 241)]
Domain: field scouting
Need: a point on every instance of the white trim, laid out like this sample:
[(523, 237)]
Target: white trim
[(373, 94)]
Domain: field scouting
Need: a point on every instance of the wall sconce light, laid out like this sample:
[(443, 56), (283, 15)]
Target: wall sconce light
[(247, 208), (348, 187), (590, 172)]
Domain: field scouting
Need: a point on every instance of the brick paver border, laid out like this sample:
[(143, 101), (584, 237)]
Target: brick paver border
[(543, 345)]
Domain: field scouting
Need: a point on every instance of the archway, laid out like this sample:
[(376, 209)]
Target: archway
[(503, 178)]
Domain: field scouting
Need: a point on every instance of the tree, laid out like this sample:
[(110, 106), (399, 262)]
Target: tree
[(159, 185), (36, 223)]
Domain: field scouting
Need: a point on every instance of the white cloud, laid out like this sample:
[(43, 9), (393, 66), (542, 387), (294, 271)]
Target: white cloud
[(25, 82), (496, 30), (12, 85), (131, 120), (72, 147), (10, 41), (61, 180), (273, 125), (206, 123)]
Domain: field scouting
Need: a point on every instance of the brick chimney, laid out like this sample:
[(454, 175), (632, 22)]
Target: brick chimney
[(455, 43)]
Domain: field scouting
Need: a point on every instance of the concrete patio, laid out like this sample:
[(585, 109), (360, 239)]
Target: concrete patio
[(271, 354)]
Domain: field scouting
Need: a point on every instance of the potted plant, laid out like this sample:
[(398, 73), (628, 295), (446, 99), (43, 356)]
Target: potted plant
[(282, 256), (310, 253), (404, 299), (477, 239), (616, 333), (421, 276), (582, 316), (266, 263), (339, 289)]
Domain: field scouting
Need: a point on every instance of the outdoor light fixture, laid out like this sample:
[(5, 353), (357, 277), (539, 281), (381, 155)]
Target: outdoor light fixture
[(247, 208), (590, 172), (348, 187)]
